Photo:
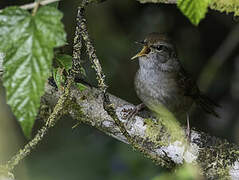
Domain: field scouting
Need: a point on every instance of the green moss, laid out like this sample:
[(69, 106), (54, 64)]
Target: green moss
[(187, 171), (154, 132), (218, 160), (170, 124), (5, 173), (71, 104), (227, 6)]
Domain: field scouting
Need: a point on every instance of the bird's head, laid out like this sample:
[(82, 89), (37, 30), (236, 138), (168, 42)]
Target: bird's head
[(158, 50)]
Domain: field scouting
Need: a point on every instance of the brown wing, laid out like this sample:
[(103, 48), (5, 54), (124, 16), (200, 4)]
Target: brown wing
[(187, 84), (191, 89)]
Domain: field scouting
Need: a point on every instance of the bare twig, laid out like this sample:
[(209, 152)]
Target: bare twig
[(32, 5)]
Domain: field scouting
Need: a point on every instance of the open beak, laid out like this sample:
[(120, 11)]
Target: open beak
[(143, 52)]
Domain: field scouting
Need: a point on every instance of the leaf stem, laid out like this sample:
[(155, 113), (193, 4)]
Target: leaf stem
[(35, 8)]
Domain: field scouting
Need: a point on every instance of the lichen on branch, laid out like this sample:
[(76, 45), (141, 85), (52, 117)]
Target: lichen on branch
[(228, 6)]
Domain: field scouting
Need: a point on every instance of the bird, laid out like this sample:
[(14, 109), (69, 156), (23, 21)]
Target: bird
[(161, 81)]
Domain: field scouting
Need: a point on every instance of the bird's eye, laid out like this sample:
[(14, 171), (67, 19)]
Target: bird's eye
[(159, 47)]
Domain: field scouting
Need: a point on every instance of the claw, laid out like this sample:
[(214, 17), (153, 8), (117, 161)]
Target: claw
[(188, 131), (135, 111)]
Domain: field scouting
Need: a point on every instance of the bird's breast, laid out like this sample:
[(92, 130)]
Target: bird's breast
[(156, 88)]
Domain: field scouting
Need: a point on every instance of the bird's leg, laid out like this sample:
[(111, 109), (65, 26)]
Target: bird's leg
[(135, 111), (188, 130)]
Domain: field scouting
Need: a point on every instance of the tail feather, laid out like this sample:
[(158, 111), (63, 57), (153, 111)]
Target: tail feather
[(207, 105)]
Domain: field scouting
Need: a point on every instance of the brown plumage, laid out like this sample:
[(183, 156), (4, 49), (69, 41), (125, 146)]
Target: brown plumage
[(162, 81)]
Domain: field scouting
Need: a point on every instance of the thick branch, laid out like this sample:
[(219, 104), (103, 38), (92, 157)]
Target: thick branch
[(216, 157)]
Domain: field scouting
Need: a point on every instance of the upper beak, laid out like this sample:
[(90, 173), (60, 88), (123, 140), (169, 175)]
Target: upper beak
[(143, 52)]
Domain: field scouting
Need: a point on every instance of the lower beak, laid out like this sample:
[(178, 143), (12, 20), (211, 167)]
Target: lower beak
[(143, 52)]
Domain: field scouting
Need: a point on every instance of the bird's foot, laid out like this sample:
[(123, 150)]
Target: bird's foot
[(135, 111), (132, 113)]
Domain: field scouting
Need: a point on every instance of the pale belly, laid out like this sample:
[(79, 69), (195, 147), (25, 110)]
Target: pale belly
[(162, 90)]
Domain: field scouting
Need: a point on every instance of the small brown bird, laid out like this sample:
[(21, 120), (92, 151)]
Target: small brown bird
[(162, 81)]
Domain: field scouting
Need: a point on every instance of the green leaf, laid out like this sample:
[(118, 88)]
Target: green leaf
[(64, 61), (80, 86), (54, 4), (195, 10), (27, 42), (58, 76)]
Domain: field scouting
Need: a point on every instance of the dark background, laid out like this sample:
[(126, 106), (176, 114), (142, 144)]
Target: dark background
[(84, 153)]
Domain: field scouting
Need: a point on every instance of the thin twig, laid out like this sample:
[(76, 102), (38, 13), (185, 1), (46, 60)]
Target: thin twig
[(77, 45), (107, 104), (51, 121), (90, 48)]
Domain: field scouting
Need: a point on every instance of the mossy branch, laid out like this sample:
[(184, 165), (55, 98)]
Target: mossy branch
[(108, 106), (216, 157), (228, 6)]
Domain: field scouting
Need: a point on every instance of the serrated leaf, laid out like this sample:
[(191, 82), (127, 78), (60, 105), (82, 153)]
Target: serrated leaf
[(195, 10), (64, 61), (27, 42)]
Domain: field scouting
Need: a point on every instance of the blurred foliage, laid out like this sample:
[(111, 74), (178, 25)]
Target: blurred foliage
[(186, 172), (94, 156), (84, 153)]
